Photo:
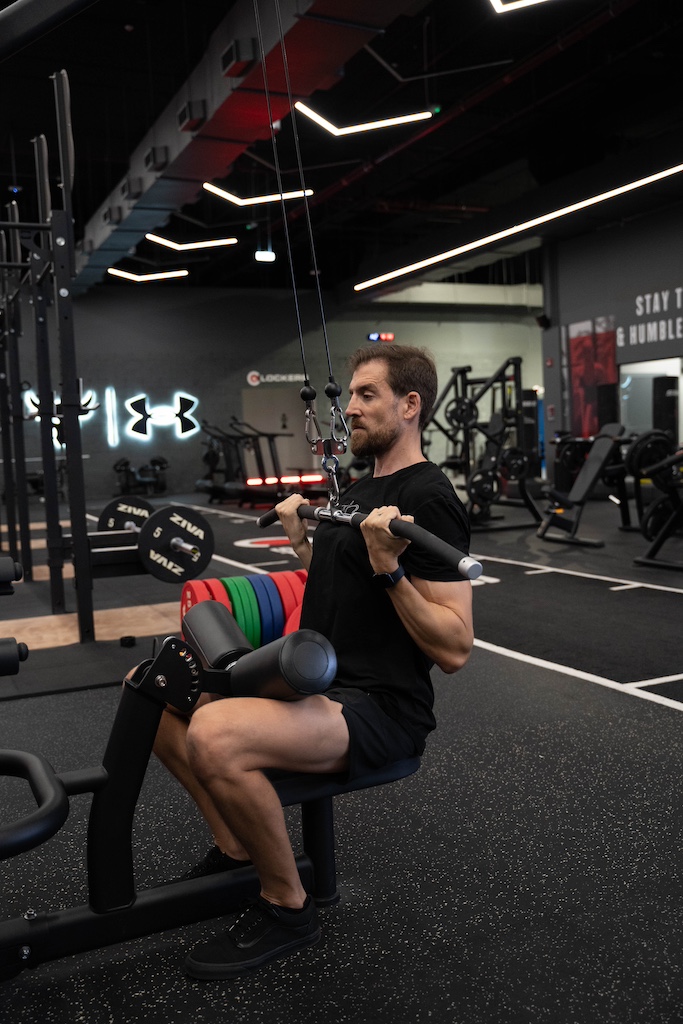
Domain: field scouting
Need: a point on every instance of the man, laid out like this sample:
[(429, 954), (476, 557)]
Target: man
[(390, 612)]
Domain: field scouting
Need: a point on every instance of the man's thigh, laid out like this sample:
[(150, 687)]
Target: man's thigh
[(309, 735)]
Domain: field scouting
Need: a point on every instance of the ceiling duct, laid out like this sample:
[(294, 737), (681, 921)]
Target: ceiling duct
[(220, 111)]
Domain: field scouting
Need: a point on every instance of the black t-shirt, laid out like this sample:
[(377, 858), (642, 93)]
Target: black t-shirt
[(341, 601)]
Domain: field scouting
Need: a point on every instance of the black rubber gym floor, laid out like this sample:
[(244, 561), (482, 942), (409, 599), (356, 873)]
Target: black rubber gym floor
[(530, 872)]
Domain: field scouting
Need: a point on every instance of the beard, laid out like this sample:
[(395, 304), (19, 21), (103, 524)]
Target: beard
[(365, 444)]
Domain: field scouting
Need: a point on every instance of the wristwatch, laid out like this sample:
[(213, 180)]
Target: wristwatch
[(386, 580)]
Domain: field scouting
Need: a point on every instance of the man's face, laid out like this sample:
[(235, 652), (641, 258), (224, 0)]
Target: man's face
[(373, 410)]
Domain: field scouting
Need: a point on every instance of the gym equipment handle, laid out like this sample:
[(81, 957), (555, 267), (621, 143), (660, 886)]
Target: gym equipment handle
[(50, 795), (467, 566)]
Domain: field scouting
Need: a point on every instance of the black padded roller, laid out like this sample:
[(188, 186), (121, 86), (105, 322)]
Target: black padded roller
[(212, 631), (289, 668)]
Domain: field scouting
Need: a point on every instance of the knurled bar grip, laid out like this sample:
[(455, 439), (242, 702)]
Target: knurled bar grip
[(467, 566)]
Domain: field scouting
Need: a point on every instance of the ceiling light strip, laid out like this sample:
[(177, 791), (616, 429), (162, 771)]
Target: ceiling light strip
[(518, 229), (147, 277), (368, 126), (274, 198), (514, 5), (210, 243)]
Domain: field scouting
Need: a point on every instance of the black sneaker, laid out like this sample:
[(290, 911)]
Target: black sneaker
[(262, 932), (214, 862)]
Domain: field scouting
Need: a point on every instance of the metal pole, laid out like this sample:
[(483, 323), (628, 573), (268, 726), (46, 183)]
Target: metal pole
[(64, 263), (13, 329)]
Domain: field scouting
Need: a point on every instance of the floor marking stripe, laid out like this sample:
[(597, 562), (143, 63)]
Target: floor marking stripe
[(583, 575), (240, 516), (588, 677), (238, 565), (657, 681)]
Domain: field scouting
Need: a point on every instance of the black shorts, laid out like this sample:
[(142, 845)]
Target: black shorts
[(375, 739)]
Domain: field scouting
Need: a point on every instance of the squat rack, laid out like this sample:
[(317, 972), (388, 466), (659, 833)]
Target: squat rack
[(45, 275)]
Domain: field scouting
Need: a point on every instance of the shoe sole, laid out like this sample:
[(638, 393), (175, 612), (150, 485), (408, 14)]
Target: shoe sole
[(216, 972)]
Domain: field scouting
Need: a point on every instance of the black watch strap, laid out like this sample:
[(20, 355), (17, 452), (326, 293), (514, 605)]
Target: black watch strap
[(386, 580)]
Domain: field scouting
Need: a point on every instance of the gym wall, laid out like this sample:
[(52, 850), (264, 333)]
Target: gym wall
[(626, 280), (156, 343)]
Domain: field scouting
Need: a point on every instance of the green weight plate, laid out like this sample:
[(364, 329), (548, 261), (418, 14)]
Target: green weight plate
[(252, 627), (251, 600), (235, 595)]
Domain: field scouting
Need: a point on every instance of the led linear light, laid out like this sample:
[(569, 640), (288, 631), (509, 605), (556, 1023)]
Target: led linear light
[(147, 277), (276, 197), (304, 478), (518, 228), (513, 5), (184, 246), (369, 126)]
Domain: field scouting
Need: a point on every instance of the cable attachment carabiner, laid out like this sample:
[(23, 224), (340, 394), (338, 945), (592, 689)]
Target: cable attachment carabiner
[(312, 427), (339, 431), (330, 463)]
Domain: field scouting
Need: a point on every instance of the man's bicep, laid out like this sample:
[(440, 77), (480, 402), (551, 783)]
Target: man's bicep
[(455, 595)]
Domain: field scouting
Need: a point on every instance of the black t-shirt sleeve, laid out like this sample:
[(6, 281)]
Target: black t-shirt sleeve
[(446, 518)]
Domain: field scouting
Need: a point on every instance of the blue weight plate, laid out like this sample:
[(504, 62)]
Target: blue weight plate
[(265, 610), (275, 607)]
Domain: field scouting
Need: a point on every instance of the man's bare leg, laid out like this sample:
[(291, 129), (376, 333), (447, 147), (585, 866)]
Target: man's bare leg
[(170, 746), (229, 743)]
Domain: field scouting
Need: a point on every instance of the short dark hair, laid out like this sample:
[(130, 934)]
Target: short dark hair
[(408, 369)]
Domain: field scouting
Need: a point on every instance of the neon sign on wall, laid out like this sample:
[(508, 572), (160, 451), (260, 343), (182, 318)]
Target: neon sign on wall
[(144, 421)]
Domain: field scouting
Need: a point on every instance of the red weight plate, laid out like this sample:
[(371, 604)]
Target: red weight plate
[(193, 592), (302, 574), (293, 622), (218, 593), (287, 596), (297, 585)]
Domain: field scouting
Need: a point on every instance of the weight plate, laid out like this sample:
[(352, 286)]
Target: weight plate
[(293, 621), (483, 487), (218, 593), (275, 606), (298, 586), (461, 412), (513, 464), (253, 632), (235, 595), (302, 574), (265, 611), (124, 510), (287, 596), (159, 537), (247, 613), (656, 516), (193, 592), (648, 449)]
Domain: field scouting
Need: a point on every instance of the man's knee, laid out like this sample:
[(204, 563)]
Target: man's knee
[(212, 741)]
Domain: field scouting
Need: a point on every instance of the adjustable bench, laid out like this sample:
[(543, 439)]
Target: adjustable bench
[(602, 452)]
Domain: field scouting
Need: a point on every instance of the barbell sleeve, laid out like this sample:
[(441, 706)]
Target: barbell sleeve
[(467, 566), (177, 544)]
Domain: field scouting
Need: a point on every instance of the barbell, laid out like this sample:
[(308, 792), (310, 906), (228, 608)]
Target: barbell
[(174, 544)]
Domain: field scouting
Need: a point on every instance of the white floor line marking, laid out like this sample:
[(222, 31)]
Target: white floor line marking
[(584, 575), (238, 565), (281, 561), (656, 682), (588, 677), (538, 572), (243, 517), (627, 586)]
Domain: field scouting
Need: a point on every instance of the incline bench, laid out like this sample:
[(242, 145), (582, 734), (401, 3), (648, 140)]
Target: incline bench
[(602, 452)]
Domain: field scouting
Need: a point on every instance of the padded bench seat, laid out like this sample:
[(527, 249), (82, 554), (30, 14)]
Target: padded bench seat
[(316, 793)]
